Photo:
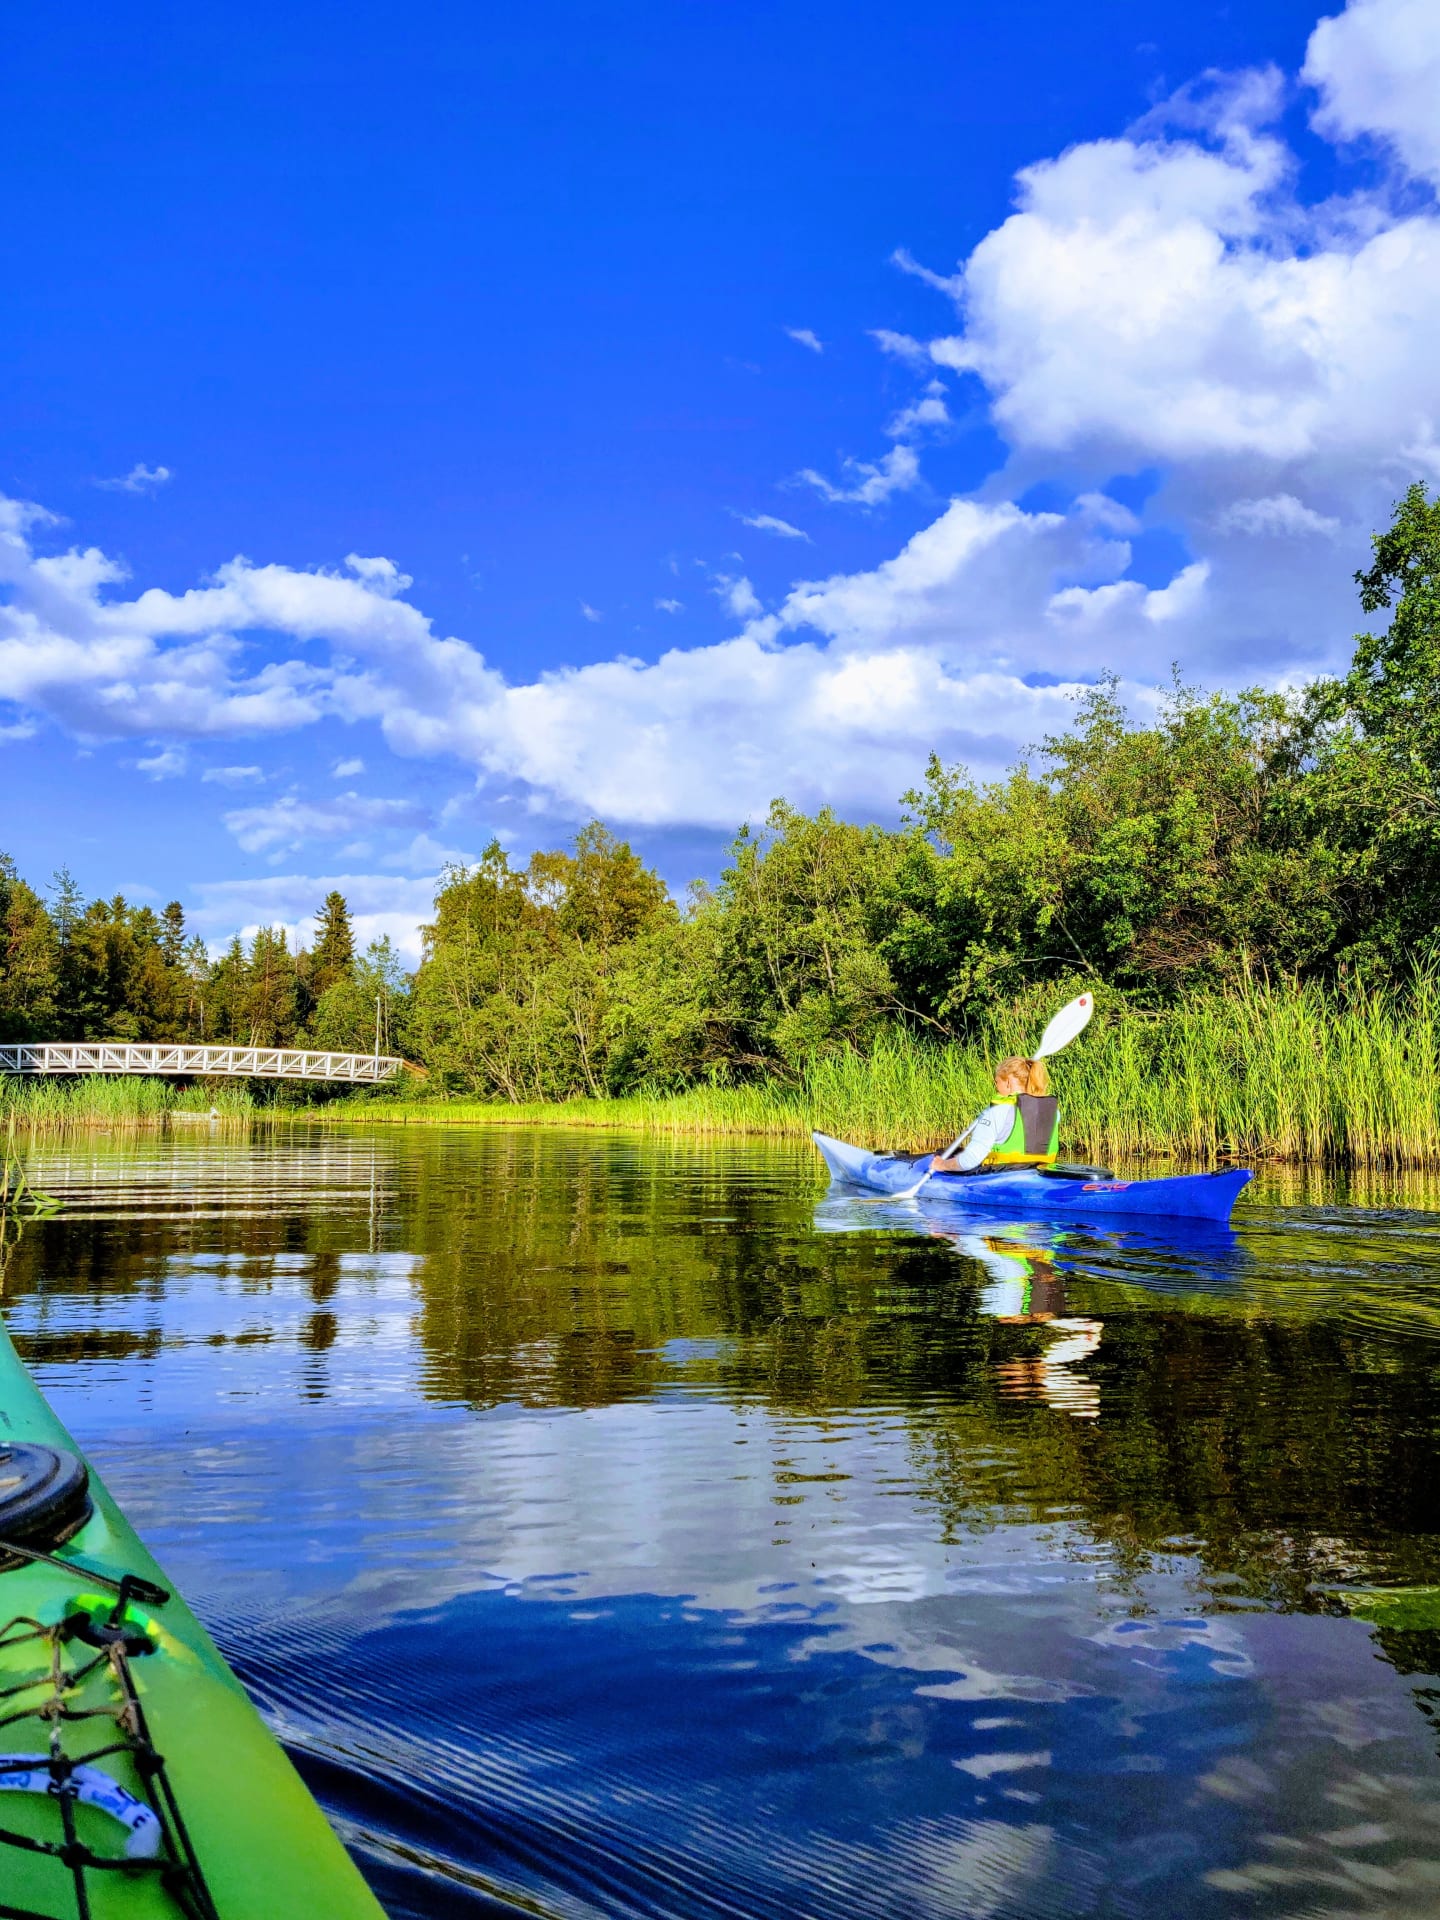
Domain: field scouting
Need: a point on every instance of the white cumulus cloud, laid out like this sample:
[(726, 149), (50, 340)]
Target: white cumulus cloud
[(837, 695), (1377, 69), (1184, 595), (1161, 301), (1162, 297)]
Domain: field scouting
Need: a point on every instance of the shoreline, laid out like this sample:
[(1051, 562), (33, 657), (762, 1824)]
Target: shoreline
[(674, 1118), (1274, 1075), (722, 1114)]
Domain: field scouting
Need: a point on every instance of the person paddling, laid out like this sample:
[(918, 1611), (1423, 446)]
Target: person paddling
[(1020, 1128)]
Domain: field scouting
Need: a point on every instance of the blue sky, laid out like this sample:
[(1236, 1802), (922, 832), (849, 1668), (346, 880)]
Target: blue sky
[(433, 423)]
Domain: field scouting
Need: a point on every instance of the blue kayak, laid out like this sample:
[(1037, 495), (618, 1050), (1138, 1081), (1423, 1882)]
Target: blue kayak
[(1044, 1195)]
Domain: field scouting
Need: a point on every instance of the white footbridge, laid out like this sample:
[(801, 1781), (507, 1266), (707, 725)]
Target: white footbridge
[(162, 1059)]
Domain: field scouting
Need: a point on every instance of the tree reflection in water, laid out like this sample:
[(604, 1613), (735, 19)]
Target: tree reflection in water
[(600, 1403)]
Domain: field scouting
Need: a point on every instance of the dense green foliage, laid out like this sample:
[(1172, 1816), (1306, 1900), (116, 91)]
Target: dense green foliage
[(1254, 1071), (1280, 837), (1219, 846)]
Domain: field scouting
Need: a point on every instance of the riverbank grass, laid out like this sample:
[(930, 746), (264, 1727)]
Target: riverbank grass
[(1258, 1073), (94, 1102)]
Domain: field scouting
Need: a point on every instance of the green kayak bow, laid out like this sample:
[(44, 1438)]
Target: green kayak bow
[(137, 1781)]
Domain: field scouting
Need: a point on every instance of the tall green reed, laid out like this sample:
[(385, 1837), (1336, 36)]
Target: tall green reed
[(46, 1105), (1264, 1071), (1261, 1071)]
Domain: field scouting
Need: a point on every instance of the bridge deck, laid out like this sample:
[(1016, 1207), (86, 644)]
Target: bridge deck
[(240, 1063)]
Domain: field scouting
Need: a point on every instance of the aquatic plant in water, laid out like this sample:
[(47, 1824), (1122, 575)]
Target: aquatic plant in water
[(17, 1195)]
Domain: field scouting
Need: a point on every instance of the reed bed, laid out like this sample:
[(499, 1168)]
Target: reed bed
[(96, 1102), (1268, 1072)]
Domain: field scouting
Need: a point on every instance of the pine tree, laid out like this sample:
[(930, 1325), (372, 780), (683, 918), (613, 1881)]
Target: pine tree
[(333, 956), (223, 1013), (172, 934), (69, 903), (67, 906)]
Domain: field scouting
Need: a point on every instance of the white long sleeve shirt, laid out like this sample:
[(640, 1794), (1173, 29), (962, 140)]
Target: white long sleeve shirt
[(988, 1132)]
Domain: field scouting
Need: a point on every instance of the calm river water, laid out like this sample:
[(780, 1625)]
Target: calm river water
[(616, 1528)]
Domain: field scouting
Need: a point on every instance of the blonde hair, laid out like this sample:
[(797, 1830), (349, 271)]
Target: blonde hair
[(1032, 1074)]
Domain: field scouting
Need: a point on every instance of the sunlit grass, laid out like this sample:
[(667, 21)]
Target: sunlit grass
[(96, 1101), (1262, 1072)]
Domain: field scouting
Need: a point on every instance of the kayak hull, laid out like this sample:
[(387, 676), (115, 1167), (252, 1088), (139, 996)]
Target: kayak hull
[(1026, 1192), (261, 1844)]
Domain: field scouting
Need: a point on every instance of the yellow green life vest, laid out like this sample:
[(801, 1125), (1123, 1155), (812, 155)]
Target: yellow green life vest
[(1034, 1139)]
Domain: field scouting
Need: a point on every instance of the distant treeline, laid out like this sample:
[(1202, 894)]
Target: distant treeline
[(107, 970), (1282, 836)]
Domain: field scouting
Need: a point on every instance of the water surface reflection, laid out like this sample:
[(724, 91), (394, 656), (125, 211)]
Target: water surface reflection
[(618, 1528)]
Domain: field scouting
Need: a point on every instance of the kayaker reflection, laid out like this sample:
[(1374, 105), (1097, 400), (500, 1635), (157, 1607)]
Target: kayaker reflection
[(1024, 1289), (1020, 1127)]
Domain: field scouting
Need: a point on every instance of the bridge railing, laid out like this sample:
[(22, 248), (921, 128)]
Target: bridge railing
[(240, 1063)]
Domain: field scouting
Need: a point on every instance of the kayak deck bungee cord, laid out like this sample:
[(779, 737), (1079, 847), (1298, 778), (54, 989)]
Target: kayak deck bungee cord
[(137, 1781), (1041, 1193)]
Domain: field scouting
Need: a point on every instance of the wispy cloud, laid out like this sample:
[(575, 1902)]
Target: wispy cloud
[(738, 595), (424, 855), (234, 776), (165, 765), (140, 479), (670, 606), (347, 769), (928, 412), (1278, 515), (289, 822), (901, 346), (868, 484), (806, 338), (952, 284), (771, 523), (591, 613)]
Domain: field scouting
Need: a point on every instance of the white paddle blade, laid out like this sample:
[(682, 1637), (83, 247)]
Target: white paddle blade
[(1068, 1022)]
